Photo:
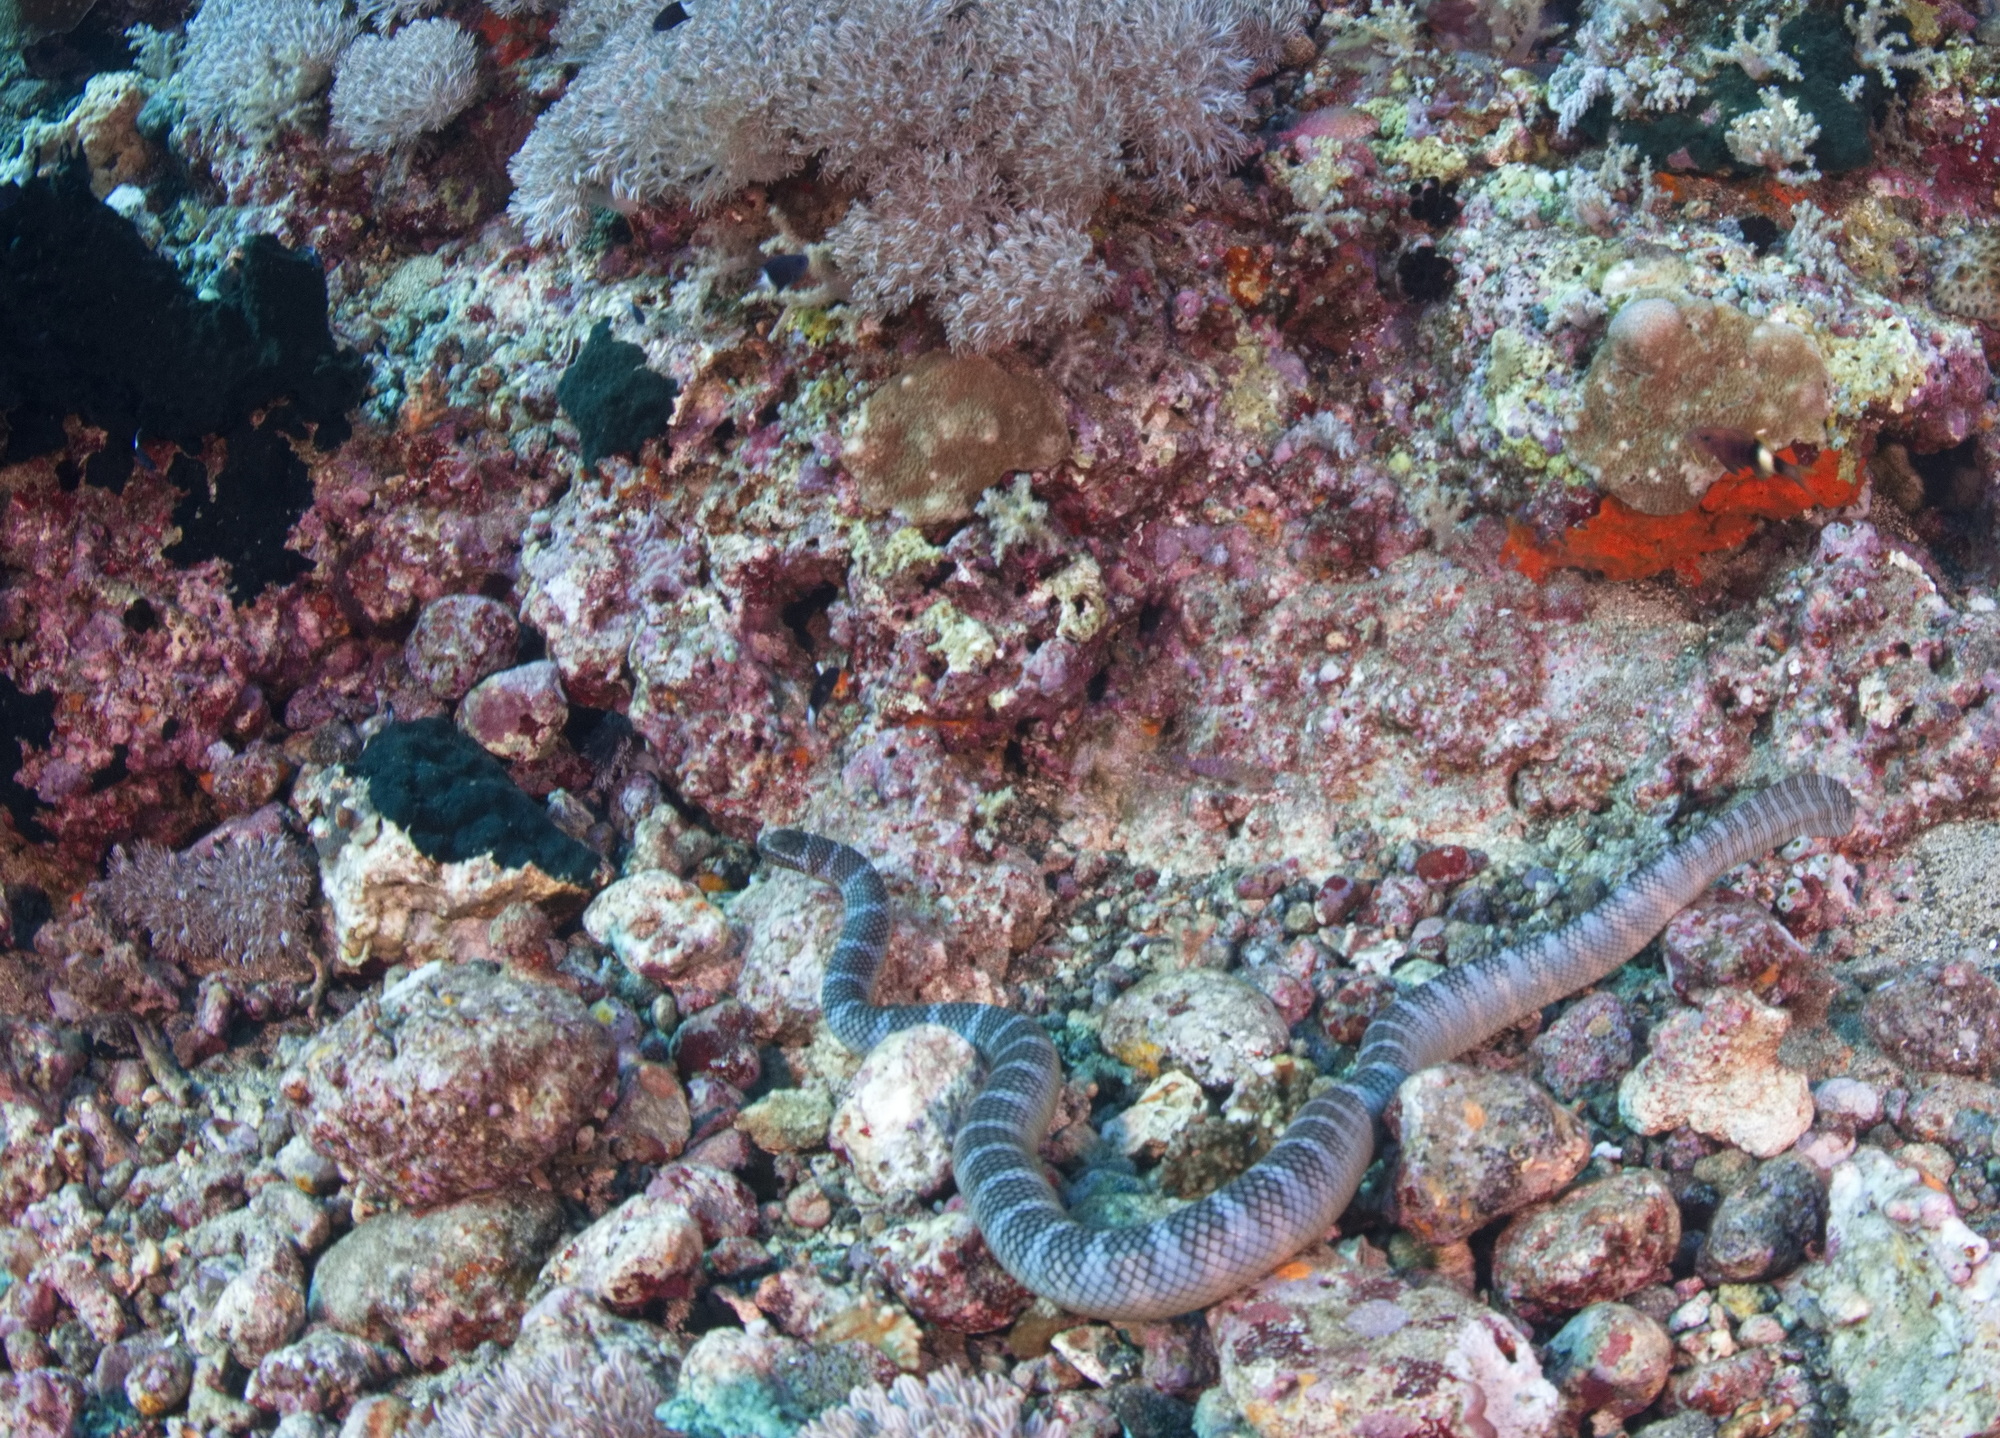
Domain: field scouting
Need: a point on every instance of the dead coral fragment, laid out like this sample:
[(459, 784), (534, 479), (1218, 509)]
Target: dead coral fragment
[(1672, 365), (932, 440), (1620, 542), (243, 902)]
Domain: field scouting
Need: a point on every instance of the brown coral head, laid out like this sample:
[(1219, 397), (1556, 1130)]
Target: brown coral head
[(935, 437), (1672, 366)]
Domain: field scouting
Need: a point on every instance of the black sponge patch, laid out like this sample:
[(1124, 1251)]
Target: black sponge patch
[(100, 327), (24, 719), (616, 402), (456, 802)]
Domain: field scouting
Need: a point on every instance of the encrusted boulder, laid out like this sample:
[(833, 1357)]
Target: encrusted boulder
[(453, 1081)]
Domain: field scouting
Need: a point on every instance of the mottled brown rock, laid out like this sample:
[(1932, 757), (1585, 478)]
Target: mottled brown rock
[(441, 1283), (1591, 1043), (1597, 1244), (453, 1081), (1610, 1359), (645, 1250), (1732, 943), (1212, 1025), (1332, 1346), (1762, 1229), (944, 1273), (1723, 1385), (1939, 1018), (1477, 1145)]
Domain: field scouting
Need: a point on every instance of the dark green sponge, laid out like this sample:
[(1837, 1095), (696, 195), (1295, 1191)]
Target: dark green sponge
[(456, 802), (616, 402)]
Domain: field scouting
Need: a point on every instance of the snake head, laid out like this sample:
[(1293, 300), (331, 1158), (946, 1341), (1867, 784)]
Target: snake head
[(785, 847)]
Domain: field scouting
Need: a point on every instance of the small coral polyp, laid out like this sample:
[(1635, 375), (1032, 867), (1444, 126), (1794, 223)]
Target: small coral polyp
[(1671, 364)]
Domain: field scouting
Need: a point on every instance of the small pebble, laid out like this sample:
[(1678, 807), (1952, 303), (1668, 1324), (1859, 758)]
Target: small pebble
[(1594, 1244), (1763, 1229), (1610, 1359)]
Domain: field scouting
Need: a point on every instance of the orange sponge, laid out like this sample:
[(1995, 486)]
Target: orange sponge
[(1621, 543)]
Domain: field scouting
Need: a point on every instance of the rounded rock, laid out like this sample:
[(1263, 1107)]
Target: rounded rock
[(1215, 1026), (1598, 1243), (896, 1121), (321, 1373), (157, 1382), (940, 1267), (719, 1041), (453, 1081), (719, 1201), (645, 1250), (1476, 1145), (1940, 1018), (457, 641), (1329, 1342), (1847, 1105), (438, 1283), (788, 1120), (1732, 943), (517, 714), (1590, 1044), (1762, 1229), (1610, 1359), (666, 931)]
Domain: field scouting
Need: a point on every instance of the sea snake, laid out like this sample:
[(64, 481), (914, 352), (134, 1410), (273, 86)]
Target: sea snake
[(1291, 1196)]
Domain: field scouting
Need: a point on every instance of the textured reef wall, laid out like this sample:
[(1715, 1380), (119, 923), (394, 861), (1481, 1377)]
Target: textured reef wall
[(1237, 507)]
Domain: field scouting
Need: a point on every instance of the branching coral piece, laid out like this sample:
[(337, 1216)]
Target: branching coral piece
[(1878, 48), (948, 1404), (1777, 136), (242, 902), (1757, 56), (1621, 543)]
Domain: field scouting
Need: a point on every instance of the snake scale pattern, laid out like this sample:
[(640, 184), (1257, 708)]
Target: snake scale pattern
[(1292, 1195)]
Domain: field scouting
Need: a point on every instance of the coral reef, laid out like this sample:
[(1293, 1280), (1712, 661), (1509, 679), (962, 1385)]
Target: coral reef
[(1236, 507)]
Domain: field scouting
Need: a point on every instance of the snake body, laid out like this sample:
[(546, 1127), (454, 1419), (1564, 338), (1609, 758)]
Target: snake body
[(1291, 1196)]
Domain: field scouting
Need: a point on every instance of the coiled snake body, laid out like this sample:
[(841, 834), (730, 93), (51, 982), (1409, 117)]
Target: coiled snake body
[(1292, 1195)]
